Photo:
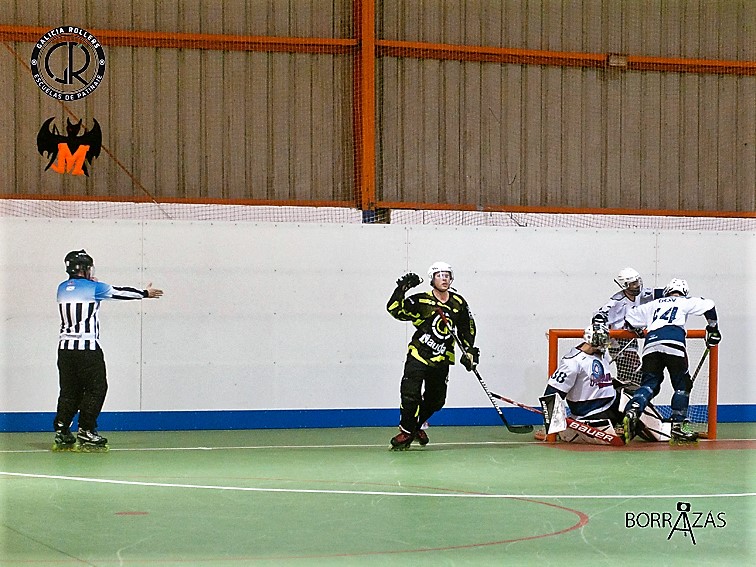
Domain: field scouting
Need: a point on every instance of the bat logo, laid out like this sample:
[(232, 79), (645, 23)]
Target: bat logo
[(73, 151)]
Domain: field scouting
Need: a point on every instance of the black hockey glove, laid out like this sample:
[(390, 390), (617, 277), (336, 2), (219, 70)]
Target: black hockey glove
[(471, 358), (639, 331), (408, 281), (713, 336)]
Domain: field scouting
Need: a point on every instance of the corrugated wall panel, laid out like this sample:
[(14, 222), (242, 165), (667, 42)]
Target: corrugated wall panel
[(588, 138), (187, 124), (247, 125), (746, 144), (532, 172), (670, 146), (707, 29), (451, 138), (299, 18)]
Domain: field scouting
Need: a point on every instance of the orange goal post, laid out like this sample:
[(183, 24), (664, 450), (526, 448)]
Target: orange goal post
[(702, 411)]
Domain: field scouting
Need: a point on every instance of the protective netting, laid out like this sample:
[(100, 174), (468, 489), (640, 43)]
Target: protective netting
[(42, 208)]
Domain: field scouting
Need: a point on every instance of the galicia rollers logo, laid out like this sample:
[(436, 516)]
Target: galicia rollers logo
[(683, 522), (68, 63)]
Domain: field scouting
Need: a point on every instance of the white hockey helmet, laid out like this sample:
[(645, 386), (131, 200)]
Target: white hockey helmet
[(626, 279), (597, 334), (436, 267), (676, 285)]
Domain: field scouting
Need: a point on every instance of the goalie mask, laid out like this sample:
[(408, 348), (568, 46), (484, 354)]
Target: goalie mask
[(676, 285), (437, 267), (79, 261), (597, 334), (630, 281)]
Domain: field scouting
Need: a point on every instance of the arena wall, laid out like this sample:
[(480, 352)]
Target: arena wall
[(284, 324)]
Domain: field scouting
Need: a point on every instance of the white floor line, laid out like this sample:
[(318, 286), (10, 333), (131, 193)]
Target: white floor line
[(339, 446), (378, 493)]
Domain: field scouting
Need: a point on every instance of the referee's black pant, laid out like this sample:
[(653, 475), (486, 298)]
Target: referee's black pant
[(83, 386), (419, 404)]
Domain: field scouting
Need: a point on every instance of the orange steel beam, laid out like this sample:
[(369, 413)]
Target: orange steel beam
[(364, 104), (130, 38), (559, 58), (489, 54), (704, 66), (219, 42)]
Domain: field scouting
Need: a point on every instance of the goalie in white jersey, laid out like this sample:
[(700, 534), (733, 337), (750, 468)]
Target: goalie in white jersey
[(583, 378), (664, 321)]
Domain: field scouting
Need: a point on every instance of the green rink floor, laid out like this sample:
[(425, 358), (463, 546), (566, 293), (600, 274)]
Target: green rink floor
[(473, 496)]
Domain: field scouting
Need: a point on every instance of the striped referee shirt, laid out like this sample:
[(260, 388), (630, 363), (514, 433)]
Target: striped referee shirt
[(79, 303)]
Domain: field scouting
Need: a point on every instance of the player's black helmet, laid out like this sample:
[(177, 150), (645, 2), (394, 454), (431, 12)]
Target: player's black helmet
[(78, 261)]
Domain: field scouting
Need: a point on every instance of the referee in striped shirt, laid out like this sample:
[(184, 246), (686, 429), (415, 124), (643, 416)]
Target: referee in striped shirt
[(81, 365)]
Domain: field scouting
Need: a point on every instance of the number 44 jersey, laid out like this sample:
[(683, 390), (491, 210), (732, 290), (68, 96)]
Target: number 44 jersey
[(664, 320)]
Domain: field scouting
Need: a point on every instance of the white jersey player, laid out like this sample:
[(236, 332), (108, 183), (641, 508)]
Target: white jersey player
[(583, 378), (631, 294), (664, 321)]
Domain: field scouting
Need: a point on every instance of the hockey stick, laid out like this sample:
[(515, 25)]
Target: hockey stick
[(623, 349), (700, 365), (572, 424), (511, 428), (616, 357)]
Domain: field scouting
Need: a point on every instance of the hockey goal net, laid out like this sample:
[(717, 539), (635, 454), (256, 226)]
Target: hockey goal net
[(702, 411)]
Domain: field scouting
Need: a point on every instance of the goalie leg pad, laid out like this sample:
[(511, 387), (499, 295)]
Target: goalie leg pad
[(651, 426), (574, 436)]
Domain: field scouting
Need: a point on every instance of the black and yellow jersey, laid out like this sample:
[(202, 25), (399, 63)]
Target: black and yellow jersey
[(432, 344)]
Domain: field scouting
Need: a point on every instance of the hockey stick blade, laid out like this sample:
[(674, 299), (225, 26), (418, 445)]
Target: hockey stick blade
[(574, 424), (520, 429)]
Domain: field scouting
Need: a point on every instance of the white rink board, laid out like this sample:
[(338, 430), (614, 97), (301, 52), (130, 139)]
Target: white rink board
[(292, 316)]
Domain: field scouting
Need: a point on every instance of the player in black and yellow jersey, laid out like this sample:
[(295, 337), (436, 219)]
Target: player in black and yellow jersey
[(431, 350)]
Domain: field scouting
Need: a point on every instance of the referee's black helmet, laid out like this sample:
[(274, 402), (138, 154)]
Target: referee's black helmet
[(78, 261)]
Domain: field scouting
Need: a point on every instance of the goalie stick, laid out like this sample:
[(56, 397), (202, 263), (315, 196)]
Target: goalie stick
[(572, 424), (511, 428)]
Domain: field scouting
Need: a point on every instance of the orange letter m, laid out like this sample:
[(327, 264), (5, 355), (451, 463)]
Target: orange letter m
[(68, 162)]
